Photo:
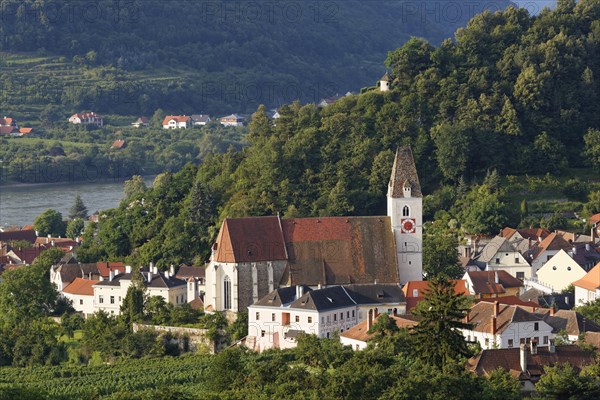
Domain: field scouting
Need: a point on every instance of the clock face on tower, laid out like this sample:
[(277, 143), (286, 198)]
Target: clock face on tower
[(408, 225)]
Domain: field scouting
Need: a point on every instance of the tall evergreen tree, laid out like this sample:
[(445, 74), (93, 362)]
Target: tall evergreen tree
[(438, 340), (78, 209)]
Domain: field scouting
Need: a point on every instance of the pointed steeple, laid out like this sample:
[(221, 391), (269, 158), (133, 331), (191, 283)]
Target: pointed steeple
[(404, 174)]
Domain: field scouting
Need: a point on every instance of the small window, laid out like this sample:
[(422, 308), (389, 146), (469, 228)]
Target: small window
[(310, 320), (322, 320), (497, 261), (101, 299), (521, 275), (341, 316), (516, 260), (405, 211), (487, 341), (352, 313), (80, 302), (347, 314), (262, 333), (257, 316), (536, 326), (273, 317), (548, 258), (297, 319), (327, 335), (415, 292), (112, 299), (334, 317), (545, 339), (510, 343)]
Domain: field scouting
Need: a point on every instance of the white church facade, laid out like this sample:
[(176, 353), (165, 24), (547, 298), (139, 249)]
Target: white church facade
[(254, 256)]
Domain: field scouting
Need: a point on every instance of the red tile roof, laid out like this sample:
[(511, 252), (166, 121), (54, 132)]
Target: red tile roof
[(118, 144), (591, 280), (105, 267), (594, 219), (25, 131), (7, 121), (7, 130), (481, 315), (484, 282), (340, 250), (359, 332), (28, 235), (178, 118), (512, 301), (552, 242), (80, 286)]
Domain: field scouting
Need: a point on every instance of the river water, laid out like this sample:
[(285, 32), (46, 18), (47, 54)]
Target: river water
[(20, 204)]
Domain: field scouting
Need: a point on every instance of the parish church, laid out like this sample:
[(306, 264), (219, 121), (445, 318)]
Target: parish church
[(253, 256)]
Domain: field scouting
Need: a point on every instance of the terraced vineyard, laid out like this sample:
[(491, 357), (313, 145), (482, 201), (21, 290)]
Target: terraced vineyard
[(183, 374)]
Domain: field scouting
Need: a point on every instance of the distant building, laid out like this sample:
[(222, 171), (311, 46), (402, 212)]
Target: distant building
[(141, 122), (200, 119), (177, 122), (118, 145), (384, 83), (587, 289), (490, 284), (415, 291), (87, 118), (233, 120), (358, 336)]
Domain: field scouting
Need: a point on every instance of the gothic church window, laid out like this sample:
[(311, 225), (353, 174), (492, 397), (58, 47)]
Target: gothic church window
[(227, 293), (405, 211)]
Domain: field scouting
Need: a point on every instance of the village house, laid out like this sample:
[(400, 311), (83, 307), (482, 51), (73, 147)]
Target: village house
[(502, 254), (595, 224), (141, 122), (200, 119), (195, 278), (87, 118), (384, 83), (558, 273), (61, 275), (233, 120), (527, 362), (7, 121), (81, 294), (587, 289), (358, 336), (568, 322), (254, 256), (177, 122), (547, 249), (504, 326), (490, 284)]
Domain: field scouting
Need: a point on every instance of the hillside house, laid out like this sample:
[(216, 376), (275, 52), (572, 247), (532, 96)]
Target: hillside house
[(177, 122), (358, 336), (81, 294), (559, 272), (547, 249), (233, 120), (141, 122), (87, 118), (415, 291), (502, 254), (200, 119)]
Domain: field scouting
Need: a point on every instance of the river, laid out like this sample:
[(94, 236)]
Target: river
[(20, 204)]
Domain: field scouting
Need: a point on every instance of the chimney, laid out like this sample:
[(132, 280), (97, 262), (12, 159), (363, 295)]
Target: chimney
[(588, 247), (493, 326), (574, 249), (496, 308), (370, 320), (128, 269), (149, 276), (533, 345), (496, 277), (523, 357), (172, 270), (551, 347), (111, 275), (299, 291), (552, 310), (48, 238), (593, 235)]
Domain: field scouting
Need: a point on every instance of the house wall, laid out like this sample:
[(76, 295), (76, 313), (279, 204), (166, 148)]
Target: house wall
[(583, 295), (511, 262), (269, 330), (560, 272), (363, 309), (103, 294), (542, 259), (515, 332), (355, 344), (81, 303), (175, 295)]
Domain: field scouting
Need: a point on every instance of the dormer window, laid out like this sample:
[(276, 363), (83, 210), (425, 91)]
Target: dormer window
[(407, 189), (405, 211)]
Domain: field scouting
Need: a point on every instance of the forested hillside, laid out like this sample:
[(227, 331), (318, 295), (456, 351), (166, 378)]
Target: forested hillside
[(513, 95), (132, 57)]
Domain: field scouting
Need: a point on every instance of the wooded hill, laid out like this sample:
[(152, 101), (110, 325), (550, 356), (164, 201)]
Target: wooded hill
[(189, 56)]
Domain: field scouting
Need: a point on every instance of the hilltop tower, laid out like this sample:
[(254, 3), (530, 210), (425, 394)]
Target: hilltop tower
[(405, 209), (384, 83)]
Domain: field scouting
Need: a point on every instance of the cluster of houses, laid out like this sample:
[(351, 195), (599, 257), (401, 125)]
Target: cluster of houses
[(103, 286), (10, 127)]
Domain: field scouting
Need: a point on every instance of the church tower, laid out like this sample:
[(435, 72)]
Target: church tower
[(405, 209)]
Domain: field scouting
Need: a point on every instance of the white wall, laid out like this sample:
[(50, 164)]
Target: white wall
[(81, 303), (560, 272), (515, 331), (583, 296)]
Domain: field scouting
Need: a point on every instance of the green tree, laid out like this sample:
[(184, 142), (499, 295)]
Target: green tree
[(440, 255), (134, 186), (593, 205), (590, 310), (482, 211), (438, 340), (75, 228), (592, 147), (383, 327), (78, 209), (564, 382), (157, 118), (50, 222), (132, 308)]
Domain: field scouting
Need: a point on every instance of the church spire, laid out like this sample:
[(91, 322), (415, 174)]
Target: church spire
[(404, 174)]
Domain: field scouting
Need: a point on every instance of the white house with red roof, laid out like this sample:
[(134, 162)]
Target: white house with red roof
[(87, 118), (177, 122), (81, 294)]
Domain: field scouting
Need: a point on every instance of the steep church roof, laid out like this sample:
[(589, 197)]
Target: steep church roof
[(404, 171), (340, 250)]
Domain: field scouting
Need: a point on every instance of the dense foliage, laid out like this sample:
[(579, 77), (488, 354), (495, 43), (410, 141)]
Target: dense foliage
[(229, 56)]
